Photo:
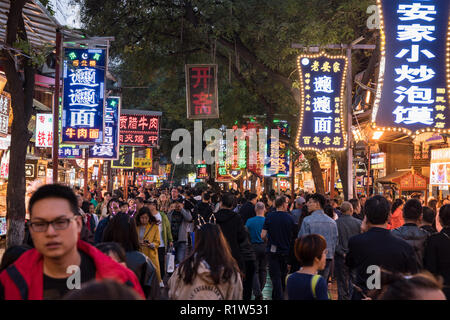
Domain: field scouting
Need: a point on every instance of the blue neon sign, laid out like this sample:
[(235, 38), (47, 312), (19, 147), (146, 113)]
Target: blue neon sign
[(83, 96)]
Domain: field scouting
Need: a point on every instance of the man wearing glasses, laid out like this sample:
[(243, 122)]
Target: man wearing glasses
[(50, 270)]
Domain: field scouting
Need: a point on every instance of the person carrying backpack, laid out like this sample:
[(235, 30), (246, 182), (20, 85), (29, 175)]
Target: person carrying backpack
[(306, 283)]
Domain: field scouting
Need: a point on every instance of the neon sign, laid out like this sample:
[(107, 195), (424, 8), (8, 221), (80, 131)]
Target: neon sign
[(109, 148), (322, 80), (83, 96), (413, 90), (202, 93)]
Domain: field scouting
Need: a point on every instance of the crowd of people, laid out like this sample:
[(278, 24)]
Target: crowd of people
[(193, 244)]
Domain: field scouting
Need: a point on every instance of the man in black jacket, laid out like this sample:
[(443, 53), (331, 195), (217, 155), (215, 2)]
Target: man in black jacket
[(203, 210), (232, 227), (248, 209), (437, 250), (377, 248)]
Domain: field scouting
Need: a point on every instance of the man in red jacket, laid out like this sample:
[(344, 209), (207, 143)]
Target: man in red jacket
[(60, 261)]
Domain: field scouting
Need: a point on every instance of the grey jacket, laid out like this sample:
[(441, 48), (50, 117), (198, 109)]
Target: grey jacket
[(185, 225), (319, 223), (348, 226), (415, 236)]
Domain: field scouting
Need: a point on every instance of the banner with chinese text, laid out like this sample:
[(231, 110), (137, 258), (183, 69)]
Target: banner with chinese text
[(201, 91), (83, 95), (44, 130), (66, 151), (202, 171), (126, 158), (322, 80), (109, 149), (5, 107), (139, 128), (412, 93)]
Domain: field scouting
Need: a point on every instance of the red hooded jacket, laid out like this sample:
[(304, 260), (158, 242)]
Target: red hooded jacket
[(23, 280)]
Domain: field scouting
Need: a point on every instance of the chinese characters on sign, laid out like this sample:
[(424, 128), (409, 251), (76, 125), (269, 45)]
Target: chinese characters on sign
[(146, 162), (44, 130), (5, 107), (322, 80), (126, 158), (139, 130), (201, 91), (108, 150), (83, 95), (70, 152), (412, 93), (202, 171)]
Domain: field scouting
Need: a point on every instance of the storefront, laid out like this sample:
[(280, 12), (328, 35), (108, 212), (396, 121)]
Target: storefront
[(440, 173), (404, 183)]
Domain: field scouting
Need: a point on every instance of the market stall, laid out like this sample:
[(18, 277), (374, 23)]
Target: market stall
[(405, 182)]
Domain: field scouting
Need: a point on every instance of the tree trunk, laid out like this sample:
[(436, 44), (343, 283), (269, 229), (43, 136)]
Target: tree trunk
[(316, 171), (341, 159), (22, 91)]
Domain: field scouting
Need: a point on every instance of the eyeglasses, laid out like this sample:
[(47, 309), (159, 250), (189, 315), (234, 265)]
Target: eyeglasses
[(58, 224)]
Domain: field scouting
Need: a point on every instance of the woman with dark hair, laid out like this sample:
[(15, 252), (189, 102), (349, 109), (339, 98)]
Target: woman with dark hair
[(396, 286), (437, 250), (149, 237), (114, 251), (122, 229), (210, 272), (396, 220), (306, 283), (112, 209)]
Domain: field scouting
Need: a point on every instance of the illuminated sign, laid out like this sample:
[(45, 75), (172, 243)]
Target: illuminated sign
[(126, 158), (201, 91), (202, 172), (66, 151), (139, 129), (412, 93), (83, 95), (277, 161), (146, 162), (109, 148), (44, 130), (5, 107), (322, 80)]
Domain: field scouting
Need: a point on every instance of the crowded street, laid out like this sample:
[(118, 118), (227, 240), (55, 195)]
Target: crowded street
[(245, 152)]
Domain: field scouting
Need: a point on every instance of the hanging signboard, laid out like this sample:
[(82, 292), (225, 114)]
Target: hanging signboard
[(83, 95), (146, 162), (30, 170), (42, 171), (277, 163), (201, 91), (412, 93), (44, 130), (66, 151), (139, 128), (322, 80), (126, 158), (5, 107), (202, 171), (108, 150)]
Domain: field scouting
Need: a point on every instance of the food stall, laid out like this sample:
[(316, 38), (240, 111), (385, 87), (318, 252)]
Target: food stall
[(440, 173), (405, 182)]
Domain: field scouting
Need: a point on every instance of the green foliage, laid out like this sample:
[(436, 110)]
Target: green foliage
[(48, 5), (37, 54), (154, 39)]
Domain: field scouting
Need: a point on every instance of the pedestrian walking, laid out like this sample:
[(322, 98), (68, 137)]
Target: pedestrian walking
[(210, 272), (278, 229), (149, 237), (437, 250), (377, 247), (42, 272), (319, 223), (410, 231), (255, 226), (179, 222), (347, 226), (306, 283)]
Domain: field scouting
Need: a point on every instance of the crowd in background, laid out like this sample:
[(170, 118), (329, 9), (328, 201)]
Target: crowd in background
[(189, 243)]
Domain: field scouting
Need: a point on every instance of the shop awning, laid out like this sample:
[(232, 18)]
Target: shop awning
[(388, 179), (39, 23)]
